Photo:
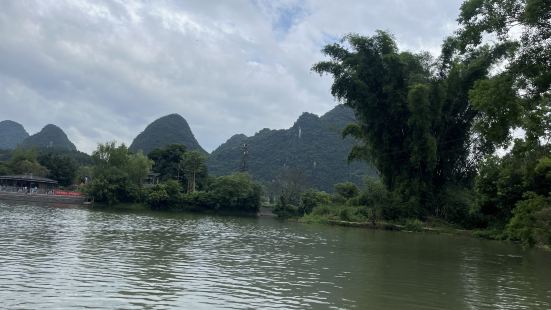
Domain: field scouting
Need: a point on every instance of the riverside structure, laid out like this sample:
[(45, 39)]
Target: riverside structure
[(36, 189)]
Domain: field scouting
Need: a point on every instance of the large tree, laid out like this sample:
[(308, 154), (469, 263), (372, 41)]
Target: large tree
[(414, 116), (518, 94), (168, 161), (24, 161), (117, 174), (61, 167), (195, 168)]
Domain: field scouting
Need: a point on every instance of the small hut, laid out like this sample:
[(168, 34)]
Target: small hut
[(151, 179)]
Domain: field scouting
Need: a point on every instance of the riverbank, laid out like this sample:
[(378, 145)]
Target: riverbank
[(433, 225), (347, 216), (142, 207)]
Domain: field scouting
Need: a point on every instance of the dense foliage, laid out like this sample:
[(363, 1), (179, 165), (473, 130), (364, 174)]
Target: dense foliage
[(312, 145), (169, 129), (235, 192), (165, 195), (346, 190), (231, 193), (425, 150), (173, 162), (311, 199), (61, 168), (168, 161), (513, 191), (117, 174), (25, 161), (450, 116), (518, 32)]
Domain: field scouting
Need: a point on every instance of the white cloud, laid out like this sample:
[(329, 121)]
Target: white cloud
[(102, 70)]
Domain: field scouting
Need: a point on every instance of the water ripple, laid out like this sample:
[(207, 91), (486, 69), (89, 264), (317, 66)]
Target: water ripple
[(67, 258)]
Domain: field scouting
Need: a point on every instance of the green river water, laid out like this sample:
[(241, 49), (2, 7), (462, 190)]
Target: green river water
[(73, 258)]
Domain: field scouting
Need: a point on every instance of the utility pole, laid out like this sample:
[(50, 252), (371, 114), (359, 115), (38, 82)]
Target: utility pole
[(244, 158)]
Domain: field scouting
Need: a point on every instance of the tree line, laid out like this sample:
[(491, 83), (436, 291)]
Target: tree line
[(167, 178), (433, 126), (60, 165)]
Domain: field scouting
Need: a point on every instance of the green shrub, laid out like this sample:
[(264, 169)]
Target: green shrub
[(345, 214), (542, 176), (342, 213), (530, 223), (165, 195), (321, 210), (236, 192), (413, 225), (543, 226), (457, 205), (157, 197), (174, 190), (112, 188), (346, 190), (285, 209), (199, 200), (311, 199), (373, 215), (377, 197)]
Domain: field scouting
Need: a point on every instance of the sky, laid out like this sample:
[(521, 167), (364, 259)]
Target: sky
[(103, 70)]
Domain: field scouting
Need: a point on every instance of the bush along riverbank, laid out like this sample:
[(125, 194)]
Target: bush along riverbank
[(507, 200), (180, 182), (376, 208)]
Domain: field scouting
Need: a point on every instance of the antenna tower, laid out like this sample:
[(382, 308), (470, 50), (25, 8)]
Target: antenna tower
[(244, 158)]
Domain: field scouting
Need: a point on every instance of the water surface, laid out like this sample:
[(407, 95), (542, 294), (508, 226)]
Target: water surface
[(72, 257)]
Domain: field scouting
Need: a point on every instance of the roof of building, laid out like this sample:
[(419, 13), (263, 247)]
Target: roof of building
[(27, 177)]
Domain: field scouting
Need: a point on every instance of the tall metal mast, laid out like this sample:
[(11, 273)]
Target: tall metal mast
[(244, 158)]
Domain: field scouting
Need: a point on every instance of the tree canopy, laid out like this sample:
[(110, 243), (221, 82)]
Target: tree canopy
[(518, 32), (173, 162), (414, 118), (117, 174)]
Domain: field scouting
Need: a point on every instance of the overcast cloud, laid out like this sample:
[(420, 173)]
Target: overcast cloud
[(103, 70)]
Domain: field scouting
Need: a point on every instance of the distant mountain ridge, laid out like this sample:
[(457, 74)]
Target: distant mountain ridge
[(169, 129), (11, 134), (313, 145), (50, 136)]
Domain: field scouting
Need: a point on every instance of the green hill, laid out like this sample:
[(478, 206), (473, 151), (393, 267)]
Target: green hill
[(51, 137), (314, 145), (11, 134), (169, 129)]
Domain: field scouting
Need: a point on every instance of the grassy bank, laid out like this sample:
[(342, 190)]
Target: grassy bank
[(355, 216)]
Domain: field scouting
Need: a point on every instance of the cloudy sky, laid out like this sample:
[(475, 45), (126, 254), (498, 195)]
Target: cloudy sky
[(103, 70)]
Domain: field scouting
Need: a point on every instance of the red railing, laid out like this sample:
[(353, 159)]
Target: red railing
[(67, 193)]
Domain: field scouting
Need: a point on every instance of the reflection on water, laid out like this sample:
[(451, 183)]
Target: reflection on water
[(59, 257)]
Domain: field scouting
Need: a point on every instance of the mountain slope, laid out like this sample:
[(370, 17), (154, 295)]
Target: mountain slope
[(11, 134), (169, 129), (314, 145), (50, 136)]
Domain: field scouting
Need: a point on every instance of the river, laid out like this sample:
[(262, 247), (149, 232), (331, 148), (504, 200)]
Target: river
[(72, 258)]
